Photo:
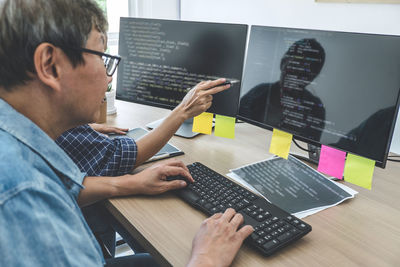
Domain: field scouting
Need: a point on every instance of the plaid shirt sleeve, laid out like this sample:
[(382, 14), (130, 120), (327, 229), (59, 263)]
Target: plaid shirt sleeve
[(96, 154)]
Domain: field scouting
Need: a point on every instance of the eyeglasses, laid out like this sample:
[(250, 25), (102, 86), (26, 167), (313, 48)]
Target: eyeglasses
[(110, 62)]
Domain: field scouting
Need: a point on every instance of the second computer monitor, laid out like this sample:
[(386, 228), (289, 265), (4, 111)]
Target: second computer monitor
[(162, 59), (334, 88)]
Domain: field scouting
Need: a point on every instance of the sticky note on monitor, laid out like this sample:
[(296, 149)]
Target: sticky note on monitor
[(359, 170), (224, 126), (331, 161), (280, 143), (203, 123)]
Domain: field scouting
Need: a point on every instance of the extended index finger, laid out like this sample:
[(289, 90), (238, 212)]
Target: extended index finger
[(214, 90), (213, 87)]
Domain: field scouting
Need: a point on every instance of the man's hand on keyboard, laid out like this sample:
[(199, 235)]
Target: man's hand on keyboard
[(218, 240), (152, 180)]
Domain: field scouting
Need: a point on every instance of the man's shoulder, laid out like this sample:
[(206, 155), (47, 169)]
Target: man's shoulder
[(17, 163), (80, 134), (12, 151)]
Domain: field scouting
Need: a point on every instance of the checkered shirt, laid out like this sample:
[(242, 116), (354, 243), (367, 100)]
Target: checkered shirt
[(97, 154)]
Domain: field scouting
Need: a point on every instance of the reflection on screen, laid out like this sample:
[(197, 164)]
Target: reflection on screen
[(338, 89)]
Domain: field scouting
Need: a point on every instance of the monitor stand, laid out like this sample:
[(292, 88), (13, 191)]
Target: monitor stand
[(184, 131), (313, 154)]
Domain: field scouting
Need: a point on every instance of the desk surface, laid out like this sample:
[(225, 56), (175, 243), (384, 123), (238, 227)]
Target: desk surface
[(364, 231)]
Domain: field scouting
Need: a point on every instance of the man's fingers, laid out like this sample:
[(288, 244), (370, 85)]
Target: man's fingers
[(228, 214), (120, 132), (174, 171), (178, 163), (237, 220), (115, 130), (214, 90), (216, 216), (176, 184), (208, 84), (213, 87), (122, 129), (245, 231)]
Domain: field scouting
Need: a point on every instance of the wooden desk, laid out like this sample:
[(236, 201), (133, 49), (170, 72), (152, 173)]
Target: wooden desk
[(364, 231)]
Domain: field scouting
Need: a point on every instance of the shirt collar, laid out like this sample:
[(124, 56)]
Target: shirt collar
[(32, 136)]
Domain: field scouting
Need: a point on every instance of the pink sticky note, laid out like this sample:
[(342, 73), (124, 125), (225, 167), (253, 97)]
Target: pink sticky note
[(331, 161)]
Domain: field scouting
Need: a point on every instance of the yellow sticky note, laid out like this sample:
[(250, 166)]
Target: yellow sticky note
[(359, 171), (203, 123), (224, 126), (280, 143)]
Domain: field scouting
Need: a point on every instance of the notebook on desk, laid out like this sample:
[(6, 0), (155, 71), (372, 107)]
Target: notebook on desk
[(167, 151)]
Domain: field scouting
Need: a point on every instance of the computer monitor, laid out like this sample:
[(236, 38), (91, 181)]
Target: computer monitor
[(163, 59), (333, 88)]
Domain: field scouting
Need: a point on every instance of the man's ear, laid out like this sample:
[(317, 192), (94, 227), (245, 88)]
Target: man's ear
[(47, 65)]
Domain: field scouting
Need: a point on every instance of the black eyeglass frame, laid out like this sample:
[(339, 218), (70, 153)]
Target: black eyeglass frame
[(90, 51)]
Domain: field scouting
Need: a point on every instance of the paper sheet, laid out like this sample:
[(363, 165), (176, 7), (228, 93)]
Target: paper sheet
[(298, 213)]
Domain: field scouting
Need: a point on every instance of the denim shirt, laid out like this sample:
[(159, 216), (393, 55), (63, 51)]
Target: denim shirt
[(40, 221)]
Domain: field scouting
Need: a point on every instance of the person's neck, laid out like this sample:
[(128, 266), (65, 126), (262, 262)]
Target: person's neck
[(35, 103)]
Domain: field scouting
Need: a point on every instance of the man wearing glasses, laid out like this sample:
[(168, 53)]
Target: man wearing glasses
[(48, 84)]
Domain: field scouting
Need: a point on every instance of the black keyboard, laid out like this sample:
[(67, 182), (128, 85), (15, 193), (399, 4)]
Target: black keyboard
[(211, 193)]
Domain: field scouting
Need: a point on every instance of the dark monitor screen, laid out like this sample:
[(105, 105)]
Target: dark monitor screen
[(333, 88), (162, 59)]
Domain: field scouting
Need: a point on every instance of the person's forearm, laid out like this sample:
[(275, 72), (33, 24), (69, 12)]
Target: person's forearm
[(99, 188), (152, 142)]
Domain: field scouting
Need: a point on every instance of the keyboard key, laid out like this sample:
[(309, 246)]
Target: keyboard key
[(284, 236), (208, 206), (268, 237), (271, 244), (254, 236), (260, 218), (260, 241), (261, 233), (301, 226), (215, 210), (202, 202)]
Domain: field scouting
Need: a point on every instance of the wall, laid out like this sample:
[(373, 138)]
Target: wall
[(160, 9), (372, 18)]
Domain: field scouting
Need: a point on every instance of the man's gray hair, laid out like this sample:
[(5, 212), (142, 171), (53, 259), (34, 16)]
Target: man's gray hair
[(25, 24)]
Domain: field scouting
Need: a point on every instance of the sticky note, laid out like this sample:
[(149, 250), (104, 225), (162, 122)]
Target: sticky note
[(203, 123), (224, 126), (331, 161), (280, 143), (359, 170)]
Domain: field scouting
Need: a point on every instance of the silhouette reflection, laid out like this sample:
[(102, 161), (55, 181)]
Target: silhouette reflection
[(288, 104)]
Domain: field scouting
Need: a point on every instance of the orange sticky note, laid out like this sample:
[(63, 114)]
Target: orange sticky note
[(280, 143), (224, 126), (359, 170), (203, 123)]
